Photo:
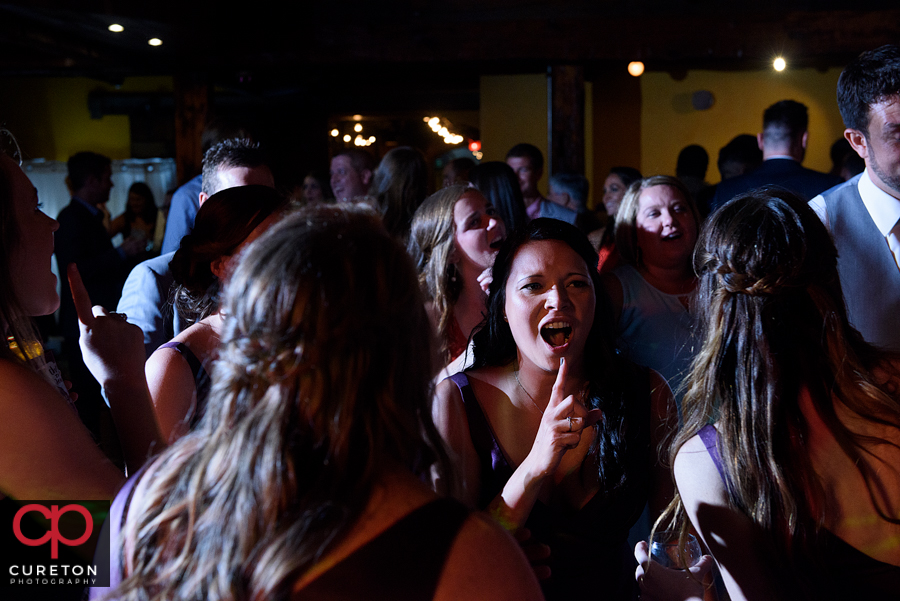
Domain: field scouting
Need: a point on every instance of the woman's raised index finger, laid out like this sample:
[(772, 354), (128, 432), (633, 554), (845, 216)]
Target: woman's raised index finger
[(80, 295), (559, 387)]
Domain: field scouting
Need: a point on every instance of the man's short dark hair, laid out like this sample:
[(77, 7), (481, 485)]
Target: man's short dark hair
[(785, 121), (360, 160), (739, 156), (528, 151), (871, 78), (573, 184), (83, 165), (693, 161), (227, 154)]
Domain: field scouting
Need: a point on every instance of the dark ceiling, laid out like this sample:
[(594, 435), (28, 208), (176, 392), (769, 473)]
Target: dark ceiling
[(333, 40), (332, 58)]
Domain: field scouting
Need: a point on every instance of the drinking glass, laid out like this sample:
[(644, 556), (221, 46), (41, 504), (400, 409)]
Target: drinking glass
[(665, 551)]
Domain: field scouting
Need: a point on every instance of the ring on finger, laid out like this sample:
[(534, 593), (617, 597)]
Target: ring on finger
[(121, 316), (570, 423)]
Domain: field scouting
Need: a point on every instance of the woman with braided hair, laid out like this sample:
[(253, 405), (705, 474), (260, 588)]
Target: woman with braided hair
[(788, 464), (302, 480), (177, 371)]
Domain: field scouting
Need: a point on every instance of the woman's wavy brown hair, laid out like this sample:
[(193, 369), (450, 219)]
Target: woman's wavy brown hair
[(322, 382), (431, 244), (222, 224), (773, 322)]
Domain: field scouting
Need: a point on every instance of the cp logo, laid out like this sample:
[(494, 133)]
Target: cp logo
[(53, 514)]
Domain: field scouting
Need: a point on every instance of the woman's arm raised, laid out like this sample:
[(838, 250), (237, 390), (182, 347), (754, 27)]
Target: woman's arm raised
[(114, 352)]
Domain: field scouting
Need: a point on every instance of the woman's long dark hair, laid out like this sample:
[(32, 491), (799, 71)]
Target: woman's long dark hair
[(499, 184), (773, 322), (150, 212), (323, 382), (400, 184), (222, 224), (613, 380)]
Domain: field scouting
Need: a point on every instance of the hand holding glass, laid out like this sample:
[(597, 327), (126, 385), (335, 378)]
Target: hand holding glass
[(665, 551)]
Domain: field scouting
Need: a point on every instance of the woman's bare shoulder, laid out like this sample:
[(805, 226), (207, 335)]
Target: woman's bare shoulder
[(485, 562)]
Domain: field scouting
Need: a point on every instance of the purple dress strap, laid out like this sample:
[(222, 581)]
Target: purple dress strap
[(710, 437), (114, 523)]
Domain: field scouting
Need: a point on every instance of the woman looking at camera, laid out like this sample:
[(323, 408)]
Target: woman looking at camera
[(551, 430)]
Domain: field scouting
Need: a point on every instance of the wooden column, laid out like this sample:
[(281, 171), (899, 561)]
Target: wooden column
[(191, 107), (566, 119)]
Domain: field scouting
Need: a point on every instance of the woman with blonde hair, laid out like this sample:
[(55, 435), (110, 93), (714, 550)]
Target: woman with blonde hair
[(787, 464), (656, 229), (455, 236), (301, 480)]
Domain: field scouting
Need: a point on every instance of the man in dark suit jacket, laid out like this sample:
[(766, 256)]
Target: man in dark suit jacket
[(783, 143), (83, 239)]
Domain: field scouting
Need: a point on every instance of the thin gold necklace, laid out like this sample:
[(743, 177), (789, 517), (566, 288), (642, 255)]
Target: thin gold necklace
[(528, 394)]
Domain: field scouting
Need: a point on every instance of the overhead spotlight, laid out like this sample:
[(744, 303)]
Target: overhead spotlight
[(371, 139), (116, 28), (779, 64), (426, 119), (347, 137), (155, 42), (357, 128), (335, 133), (357, 117), (636, 68)]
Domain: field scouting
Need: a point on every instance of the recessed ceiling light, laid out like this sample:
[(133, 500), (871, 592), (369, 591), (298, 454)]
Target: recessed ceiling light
[(116, 28), (155, 42)]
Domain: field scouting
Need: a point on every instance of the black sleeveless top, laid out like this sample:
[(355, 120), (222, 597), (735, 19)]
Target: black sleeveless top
[(403, 562), (589, 552)]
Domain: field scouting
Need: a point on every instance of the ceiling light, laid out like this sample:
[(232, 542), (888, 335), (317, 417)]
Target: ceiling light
[(636, 68), (116, 28), (779, 64), (334, 133), (347, 137), (155, 42), (357, 128)]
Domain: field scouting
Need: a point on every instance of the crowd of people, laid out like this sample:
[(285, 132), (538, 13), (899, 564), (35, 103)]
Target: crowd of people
[(477, 393)]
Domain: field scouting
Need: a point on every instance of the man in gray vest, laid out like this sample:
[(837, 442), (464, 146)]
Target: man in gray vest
[(863, 213)]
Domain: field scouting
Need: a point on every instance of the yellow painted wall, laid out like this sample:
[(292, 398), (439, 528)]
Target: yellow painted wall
[(50, 116), (669, 123), (513, 110)]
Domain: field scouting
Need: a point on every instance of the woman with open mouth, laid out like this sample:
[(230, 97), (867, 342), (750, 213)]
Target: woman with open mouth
[(551, 430), (656, 230), (454, 238)]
